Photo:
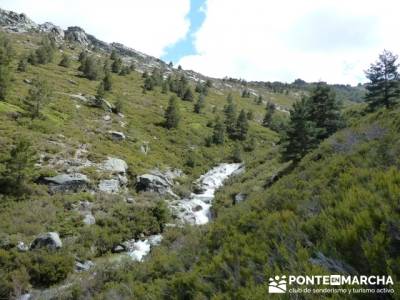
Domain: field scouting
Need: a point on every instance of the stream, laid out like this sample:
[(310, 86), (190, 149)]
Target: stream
[(194, 210)]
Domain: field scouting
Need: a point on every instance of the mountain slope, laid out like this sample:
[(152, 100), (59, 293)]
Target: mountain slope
[(337, 212)]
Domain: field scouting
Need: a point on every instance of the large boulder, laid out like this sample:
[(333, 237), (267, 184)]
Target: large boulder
[(68, 182), (117, 135), (49, 240), (77, 35), (54, 30), (110, 186), (114, 165), (157, 181)]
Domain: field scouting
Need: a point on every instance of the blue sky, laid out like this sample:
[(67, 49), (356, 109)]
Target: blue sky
[(265, 40), (186, 46)]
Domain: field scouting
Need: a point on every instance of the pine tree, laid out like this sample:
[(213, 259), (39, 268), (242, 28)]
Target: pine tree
[(90, 67), (230, 116), (116, 65), (19, 168), (384, 86), (268, 114), (100, 92), (38, 97), (148, 84), (22, 65), (242, 126), (324, 110), (301, 134), (164, 87), (65, 61), (218, 132), (5, 81), (45, 53), (107, 80), (237, 153), (199, 105), (172, 115), (188, 95), (6, 55)]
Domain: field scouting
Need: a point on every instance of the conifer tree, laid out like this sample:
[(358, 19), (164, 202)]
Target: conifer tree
[(172, 115), (324, 110), (230, 116), (301, 134), (199, 105), (242, 126), (65, 61), (107, 80), (38, 97), (384, 86), (6, 55), (268, 114), (237, 153), (218, 132), (188, 95), (19, 168)]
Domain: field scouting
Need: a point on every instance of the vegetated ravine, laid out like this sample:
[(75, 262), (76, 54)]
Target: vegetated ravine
[(194, 210)]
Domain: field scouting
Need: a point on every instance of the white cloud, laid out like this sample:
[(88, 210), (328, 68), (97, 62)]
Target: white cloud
[(146, 25), (283, 40)]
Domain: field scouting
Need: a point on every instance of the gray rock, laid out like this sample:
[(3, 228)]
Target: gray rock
[(54, 30), (114, 165), (27, 81), (49, 240), (77, 35), (13, 21), (21, 247), (107, 118), (117, 135), (110, 186), (68, 182), (158, 182), (155, 240), (145, 148), (83, 266), (89, 219), (118, 249), (240, 197)]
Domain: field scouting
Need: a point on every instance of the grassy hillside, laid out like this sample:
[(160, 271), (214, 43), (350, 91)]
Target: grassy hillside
[(337, 212)]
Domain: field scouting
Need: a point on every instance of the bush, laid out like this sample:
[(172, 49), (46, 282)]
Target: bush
[(48, 268)]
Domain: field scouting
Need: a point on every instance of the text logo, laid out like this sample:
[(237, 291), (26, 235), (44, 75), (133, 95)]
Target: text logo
[(277, 285)]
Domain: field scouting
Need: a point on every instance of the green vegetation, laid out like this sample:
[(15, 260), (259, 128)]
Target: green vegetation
[(384, 86), (339, 196)]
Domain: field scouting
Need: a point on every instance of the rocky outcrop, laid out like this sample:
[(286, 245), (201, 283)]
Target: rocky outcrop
[(117, 135), (114, 165), (78, 35), (68, 182), (83, 266), (53, 30), (110, 186), (158, 182), (49, 240), (13, 21)]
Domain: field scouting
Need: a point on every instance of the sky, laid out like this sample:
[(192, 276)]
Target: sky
[(265, 40)]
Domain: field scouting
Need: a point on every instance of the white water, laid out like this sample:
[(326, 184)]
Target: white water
[(194, 210)]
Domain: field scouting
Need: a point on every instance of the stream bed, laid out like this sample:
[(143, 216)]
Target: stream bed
[(194, 210)]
